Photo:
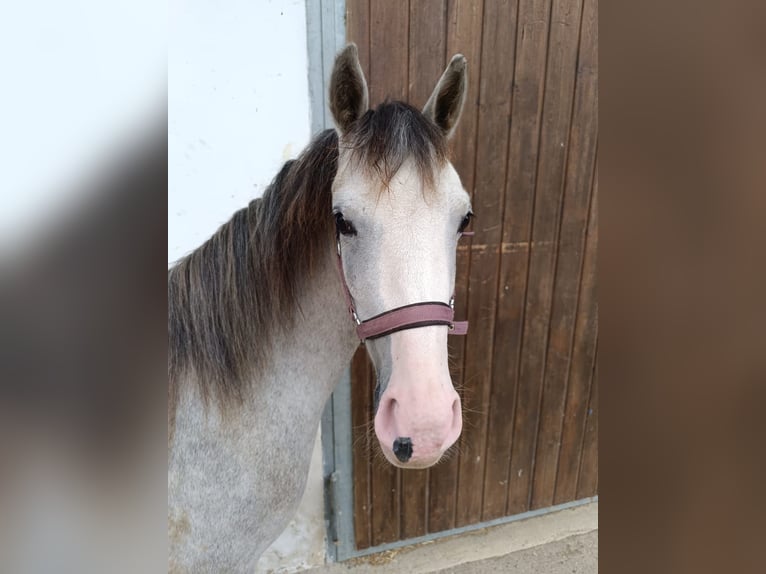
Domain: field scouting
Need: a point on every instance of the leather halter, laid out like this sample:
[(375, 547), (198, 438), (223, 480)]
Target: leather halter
[(405, 317)]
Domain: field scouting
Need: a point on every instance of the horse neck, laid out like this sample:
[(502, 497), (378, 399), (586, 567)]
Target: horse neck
[(315, 350)]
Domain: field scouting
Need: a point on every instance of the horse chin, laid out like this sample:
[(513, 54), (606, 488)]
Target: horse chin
[(412, 464)]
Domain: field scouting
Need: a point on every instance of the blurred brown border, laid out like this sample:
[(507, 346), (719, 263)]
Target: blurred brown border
[(682, 346)]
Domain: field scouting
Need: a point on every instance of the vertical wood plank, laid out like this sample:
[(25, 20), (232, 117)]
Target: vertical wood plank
[(529, 79), (361, 446), (574, 220), (358, 30), (427, 38), (427, 44), (464, 28), (587, 484), (389, 42), (389, 70), (463, 35), (580, 370), (497, 58), (414, 503), (557, 106)]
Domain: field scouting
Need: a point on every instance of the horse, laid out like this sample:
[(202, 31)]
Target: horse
[(356, 239)]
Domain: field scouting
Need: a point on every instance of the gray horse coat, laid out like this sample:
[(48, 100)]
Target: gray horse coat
[(259, 332)]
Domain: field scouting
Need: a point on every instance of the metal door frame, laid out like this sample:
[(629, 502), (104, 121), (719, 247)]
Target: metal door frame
[(326, 35)]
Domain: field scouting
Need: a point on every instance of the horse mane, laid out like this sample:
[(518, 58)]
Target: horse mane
[(227, 298)]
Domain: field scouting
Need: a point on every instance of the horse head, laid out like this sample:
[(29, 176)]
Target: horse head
[(400, 209)]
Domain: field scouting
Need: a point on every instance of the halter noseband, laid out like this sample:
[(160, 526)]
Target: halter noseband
[(406, 317)]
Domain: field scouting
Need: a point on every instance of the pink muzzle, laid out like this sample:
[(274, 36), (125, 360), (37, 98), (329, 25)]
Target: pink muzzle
[(405, 317)]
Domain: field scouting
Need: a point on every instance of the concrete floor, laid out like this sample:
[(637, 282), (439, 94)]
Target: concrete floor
[(574, 555), (563, 542)]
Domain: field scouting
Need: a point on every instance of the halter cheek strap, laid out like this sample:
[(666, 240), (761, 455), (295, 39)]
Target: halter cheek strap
[(406, 317)]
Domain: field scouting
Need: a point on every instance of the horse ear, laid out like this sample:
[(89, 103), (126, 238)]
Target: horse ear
[(446, 102), (348, 89)]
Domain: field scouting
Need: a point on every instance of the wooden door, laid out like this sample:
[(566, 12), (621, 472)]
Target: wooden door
[(526, 151)]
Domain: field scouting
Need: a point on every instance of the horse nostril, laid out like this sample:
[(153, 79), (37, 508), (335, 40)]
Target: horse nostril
[(403, 448)]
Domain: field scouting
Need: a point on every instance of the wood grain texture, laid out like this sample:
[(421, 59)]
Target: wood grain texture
[(557, 105), (496, 76), (580, 369), (574, 220), (529, 78), (358, 30), (427, 45), (525, 149), (389, 44), (587, 483), (361, 445), (463, 32), (587, 479)]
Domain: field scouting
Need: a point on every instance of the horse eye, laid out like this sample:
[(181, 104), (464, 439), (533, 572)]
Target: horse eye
[(465, 222), (344, 227)]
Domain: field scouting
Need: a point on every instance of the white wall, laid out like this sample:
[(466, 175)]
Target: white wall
[(238, 104), (238, 108)]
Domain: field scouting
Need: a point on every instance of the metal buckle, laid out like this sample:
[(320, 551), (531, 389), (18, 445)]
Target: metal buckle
[(356, 317), (452, 303)]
